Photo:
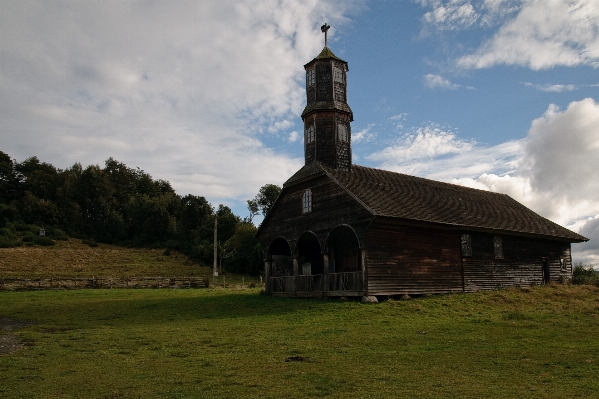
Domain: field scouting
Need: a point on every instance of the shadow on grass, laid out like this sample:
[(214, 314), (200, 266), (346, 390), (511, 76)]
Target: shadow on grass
[(142, 307)]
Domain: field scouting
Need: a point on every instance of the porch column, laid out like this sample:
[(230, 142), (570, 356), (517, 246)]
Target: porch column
[(325, 276), (267, 266), (295, 273), (364, 271)]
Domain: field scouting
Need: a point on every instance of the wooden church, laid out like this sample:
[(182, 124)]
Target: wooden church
[(339, 229)]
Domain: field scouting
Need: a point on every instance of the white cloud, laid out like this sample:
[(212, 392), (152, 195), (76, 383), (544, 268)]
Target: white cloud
[(588, 252), (435, 81), (363, 135), (456, 15), (293, 137), (398, 120), (461, 161), (556, 88), (453, 15), (544, 34), (184, 90), (422, 143), (562, 152)]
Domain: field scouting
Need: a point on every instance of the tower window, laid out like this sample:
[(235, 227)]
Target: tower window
[(310, 77), (307, 202), (310, 134), (341, 133), (338, 75)]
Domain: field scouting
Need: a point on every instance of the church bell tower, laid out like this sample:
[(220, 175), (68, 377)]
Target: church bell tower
[(327, 117)]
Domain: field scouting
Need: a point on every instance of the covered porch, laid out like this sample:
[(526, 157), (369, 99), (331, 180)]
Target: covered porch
[(309, 271)]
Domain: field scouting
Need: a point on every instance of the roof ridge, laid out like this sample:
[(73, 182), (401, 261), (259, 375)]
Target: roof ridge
[(431, 180)]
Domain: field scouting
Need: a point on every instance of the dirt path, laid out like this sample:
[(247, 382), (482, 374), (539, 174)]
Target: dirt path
[(8, 342)]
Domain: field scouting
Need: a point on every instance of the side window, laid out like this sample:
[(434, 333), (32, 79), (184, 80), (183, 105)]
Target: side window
[(563, 265), (307, 202), (341, 132), (310, 134), (466, 246), (310, 77), (338, 75), (498, 246)]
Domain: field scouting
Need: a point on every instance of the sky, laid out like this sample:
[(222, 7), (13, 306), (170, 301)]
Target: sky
[(499, 95)]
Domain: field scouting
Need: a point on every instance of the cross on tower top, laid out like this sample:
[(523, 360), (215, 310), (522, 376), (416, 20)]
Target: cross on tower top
[(324, 28)]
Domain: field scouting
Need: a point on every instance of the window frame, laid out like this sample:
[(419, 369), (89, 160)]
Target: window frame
[(310, 136), (307, 202), (310, 77), (498, 247), (342, 137), (466, 244), (338, 75)]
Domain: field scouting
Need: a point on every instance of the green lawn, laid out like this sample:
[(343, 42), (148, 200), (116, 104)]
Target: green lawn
[(537, 343)]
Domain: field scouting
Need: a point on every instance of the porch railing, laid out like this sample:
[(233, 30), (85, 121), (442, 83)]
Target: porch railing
[(349, 281)]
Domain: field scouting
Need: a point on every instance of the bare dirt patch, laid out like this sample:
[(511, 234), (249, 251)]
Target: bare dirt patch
[(9, 343)]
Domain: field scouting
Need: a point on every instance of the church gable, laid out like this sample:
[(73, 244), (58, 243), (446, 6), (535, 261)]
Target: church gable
[(330, 205)]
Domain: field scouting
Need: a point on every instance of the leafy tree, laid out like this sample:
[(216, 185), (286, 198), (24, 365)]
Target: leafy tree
[(227, 223), (247, 256), (93, 192), (153, 219), (8, 178), (264, 200), (38, 178)]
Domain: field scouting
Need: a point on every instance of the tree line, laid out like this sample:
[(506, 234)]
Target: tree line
[(119, 205)]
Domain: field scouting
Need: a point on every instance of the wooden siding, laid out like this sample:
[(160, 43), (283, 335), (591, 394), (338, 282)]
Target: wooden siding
[(331, 206), (522, 263), (412, 260)]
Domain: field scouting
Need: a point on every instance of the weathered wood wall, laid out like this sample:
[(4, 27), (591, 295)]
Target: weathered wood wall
[(522, 263), (403, 259)]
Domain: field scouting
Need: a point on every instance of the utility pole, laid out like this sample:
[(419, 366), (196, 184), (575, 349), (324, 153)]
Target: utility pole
[(214, 272)]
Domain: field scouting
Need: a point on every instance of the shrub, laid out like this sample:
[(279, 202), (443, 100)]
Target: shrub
[(44, 241), (7, 233), (91, 243), (584, 275), (9, 243), (28, 237), (58, 234)]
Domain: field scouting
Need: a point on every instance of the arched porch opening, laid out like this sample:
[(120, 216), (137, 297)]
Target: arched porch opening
[(344, 250), (279, 267), (279, 254), (309, 255), (345, 271)]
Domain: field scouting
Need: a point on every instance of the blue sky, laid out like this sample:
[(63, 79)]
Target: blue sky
[(493, 94)]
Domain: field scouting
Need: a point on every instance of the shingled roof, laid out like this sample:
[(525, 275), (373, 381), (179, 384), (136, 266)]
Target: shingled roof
[(397, 195), (326, 53)]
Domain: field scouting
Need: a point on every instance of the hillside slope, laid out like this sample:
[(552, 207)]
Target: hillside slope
[(74, 259)]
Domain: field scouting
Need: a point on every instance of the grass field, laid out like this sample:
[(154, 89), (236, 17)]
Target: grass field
[(223, 343)]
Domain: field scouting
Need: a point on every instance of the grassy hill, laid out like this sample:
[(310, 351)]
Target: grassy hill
[(536, 343), (73, 258)]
